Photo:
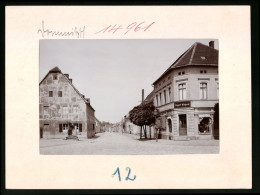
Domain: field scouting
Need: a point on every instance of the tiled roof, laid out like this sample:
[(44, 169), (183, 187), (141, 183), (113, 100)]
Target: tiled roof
[(55, 69), (149, 98), (197, 55)]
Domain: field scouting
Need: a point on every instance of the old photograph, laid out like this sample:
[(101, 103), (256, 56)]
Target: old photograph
[(129, 97)]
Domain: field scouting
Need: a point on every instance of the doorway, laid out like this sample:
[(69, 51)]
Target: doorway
[(182, 125), (169, 125)]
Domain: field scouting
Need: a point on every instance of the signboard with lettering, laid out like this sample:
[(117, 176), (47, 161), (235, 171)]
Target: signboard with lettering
[(182, 104)]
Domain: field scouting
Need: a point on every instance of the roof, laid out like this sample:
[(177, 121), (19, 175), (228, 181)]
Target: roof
[(149, 98), (197, 55), (57, 70)]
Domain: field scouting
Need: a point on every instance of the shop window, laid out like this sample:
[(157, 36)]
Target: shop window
[(204, 125), (203, 90), (50, 93), (182, 91), (59, 93)]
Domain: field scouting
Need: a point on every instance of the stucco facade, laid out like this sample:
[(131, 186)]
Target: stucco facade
[(60, 104), (185, 95)]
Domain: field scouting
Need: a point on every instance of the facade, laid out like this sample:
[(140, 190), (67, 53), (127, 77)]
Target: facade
[(186, 93), (60, 104), (97, 126)]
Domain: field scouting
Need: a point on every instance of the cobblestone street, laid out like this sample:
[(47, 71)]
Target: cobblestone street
[(126, 144)]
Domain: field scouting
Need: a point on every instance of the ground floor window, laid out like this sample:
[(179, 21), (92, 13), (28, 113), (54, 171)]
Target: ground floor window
[(204, 125)]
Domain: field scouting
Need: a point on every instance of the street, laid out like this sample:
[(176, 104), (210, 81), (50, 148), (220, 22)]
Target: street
[(126, 144)]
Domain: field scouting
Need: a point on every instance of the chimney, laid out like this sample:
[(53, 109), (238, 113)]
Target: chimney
[(211, 44), (88, 99), (70, 80), (83, 96), (67, 75)]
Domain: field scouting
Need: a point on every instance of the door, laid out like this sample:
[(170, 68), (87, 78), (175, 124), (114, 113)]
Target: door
[(80, 127), (182, 125), (41, 132)]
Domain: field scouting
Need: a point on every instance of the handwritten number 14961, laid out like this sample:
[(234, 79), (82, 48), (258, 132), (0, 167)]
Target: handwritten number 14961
[(133, 26), (128, 175)]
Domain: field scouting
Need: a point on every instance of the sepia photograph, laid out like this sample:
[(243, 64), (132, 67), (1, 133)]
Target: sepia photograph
[(129, 97)]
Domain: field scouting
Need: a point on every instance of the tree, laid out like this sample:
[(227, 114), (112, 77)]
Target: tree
[(143, 115)]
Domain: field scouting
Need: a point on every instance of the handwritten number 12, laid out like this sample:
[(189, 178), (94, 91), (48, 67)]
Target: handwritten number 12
[(128, 175)]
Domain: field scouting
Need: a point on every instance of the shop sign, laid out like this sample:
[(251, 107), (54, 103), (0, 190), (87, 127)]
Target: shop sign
[(182, 104)]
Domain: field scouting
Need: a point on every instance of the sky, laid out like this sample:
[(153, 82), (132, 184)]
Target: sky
[(113, 72)]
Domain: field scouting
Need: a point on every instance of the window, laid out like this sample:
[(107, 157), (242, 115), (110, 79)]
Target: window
[(93, 126), (50, 93), (160, 98), (179, 73), (165, 99), (157, 103), (55, 77), (65, 127), (65, 110), (182, 91), (59, 93), (203, 71), (203, 90), (75, 109), (204, 125), (169, 94), (183, 72)]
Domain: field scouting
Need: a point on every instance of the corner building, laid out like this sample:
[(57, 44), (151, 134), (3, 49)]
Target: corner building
[(61, 103), (186, 93)]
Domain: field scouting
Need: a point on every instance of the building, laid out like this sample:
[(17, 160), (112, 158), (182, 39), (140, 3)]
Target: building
[(60, 104), (97, 126), (186, 93), (131, 128)]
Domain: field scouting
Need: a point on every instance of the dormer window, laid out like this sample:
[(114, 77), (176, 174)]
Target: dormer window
[(203, 57)]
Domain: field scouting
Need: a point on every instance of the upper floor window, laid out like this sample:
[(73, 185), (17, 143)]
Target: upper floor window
[(165, 100), (75, 109), (203, 90), (50, 93), (157, 103), (59, 93), (203, 71), (182, 91), (160, 98), (169, 94), (55, 77), (65, 110)]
